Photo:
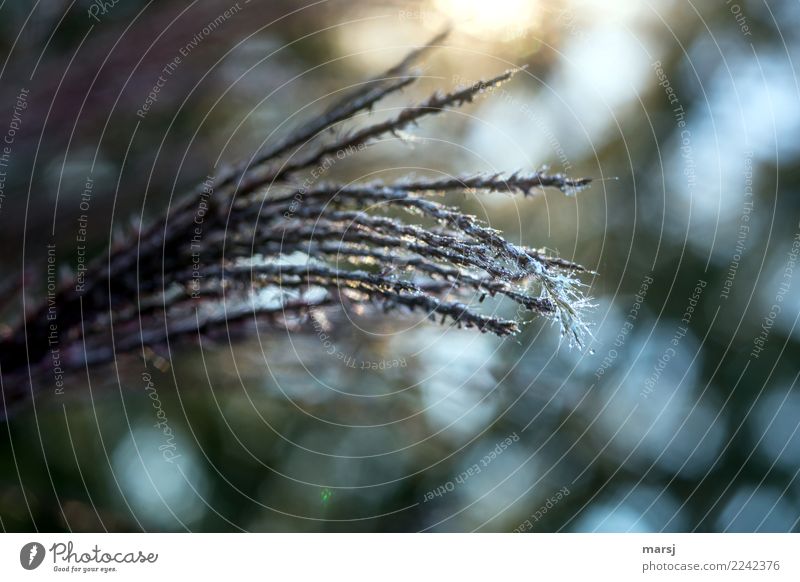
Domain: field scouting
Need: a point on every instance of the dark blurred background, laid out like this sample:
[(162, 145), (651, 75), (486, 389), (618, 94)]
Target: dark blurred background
[(681, 414)]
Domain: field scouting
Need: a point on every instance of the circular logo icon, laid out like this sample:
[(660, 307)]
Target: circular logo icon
[(31, 555)]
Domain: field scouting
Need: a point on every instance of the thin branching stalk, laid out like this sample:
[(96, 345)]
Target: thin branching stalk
[(267, 253)]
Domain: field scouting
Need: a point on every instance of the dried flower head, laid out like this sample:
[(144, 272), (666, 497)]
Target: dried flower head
[(251, 246)]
